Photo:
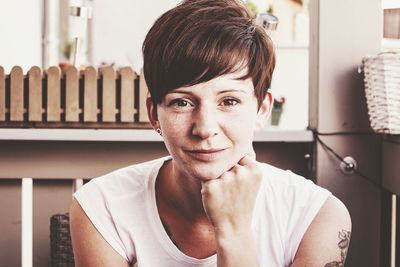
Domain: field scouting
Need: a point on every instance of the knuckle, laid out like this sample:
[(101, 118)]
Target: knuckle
[(238, 169)]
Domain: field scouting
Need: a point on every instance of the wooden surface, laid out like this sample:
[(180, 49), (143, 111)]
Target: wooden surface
[(53, 96), (2, 95), (143, 94), (127, 94), (391, 23), (137, 135), (75, 125), (84, 159), (71, 95), (90, 108), (108, 94), (62, 160), (106, 98), (16, 94), (35, 94)]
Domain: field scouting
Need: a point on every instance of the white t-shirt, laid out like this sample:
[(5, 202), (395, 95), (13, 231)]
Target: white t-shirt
[(122, 206)]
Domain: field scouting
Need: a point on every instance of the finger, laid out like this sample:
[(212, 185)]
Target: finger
[(252, 153), (247, 161), (207, 184), (204, 187)]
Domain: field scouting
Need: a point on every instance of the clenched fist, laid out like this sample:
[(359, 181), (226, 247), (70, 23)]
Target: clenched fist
[(229, 200)]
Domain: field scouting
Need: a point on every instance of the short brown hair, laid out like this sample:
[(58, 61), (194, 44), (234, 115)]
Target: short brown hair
[(199, 40)]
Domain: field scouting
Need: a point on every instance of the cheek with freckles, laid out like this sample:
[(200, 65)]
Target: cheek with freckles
[(175, 134), (242, 131)]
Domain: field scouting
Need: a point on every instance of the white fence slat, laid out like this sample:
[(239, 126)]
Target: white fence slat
[(27, 222), (77, 183), (393, 235)]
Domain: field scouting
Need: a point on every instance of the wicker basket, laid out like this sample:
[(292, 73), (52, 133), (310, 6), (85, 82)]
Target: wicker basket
[(60, 240), (382, 90)]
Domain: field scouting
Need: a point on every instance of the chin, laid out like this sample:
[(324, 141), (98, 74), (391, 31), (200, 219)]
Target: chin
[(206, 176), (210, 171)]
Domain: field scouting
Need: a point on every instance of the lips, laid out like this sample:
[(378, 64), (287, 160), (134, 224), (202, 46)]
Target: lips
[(206, 150), (206, 155)]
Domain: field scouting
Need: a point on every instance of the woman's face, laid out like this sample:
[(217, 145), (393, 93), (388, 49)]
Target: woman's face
[(209, 127)]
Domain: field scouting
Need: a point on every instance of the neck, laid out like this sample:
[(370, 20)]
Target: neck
[(183, 193)]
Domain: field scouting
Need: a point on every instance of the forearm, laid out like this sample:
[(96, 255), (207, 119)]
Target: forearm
[(236, 248)]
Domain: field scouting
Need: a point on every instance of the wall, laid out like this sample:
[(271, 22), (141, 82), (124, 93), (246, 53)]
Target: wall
[(340, 38), (119, 29), (291, 81), (21, 33), (391, 166)]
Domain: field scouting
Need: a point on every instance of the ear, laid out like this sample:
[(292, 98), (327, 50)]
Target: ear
[(264, 111), (152, 113)]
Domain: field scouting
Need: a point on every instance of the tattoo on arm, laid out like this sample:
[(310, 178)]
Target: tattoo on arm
[(343, 244)]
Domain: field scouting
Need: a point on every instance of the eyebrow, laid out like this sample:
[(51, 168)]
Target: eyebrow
[(233, 90), (220, 92)]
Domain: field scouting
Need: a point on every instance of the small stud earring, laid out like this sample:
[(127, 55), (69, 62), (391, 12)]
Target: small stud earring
[(158, 130)]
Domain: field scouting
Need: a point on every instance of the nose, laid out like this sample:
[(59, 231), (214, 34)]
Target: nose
[(205, 123)]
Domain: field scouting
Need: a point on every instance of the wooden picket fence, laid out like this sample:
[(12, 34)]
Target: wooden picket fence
[(92, 98)]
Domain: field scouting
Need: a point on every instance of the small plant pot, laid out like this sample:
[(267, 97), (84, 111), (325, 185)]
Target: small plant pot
[(64, 66), (276, 116)]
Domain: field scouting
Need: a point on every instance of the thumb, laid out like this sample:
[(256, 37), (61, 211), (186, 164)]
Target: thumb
[(252, 153), (204, 187)]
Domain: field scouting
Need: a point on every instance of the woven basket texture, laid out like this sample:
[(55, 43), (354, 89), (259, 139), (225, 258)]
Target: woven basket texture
[(60, 241), (382, 91)]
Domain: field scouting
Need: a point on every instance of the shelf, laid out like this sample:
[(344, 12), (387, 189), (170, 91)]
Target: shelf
[(279, 135), (133, 135), (390, 44)]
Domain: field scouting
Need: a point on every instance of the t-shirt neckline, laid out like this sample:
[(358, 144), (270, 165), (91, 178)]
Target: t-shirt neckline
[(161, 234)]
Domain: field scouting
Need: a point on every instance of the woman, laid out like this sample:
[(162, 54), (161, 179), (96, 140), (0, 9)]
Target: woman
[(209, 203)]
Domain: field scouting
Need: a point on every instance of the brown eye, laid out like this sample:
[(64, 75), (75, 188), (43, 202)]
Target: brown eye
[(229, 102), (180, 103)]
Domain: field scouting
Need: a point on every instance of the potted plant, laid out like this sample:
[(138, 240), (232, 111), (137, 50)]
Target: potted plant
[(66, 52), (277, 109)]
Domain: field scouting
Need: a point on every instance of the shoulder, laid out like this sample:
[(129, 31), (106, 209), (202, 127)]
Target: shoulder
[(110, 193), (280, 176), (125, 180), (314, 219), (90, 248), (294, 202), (100, 212), (135, 171), (329, 234), (288, 185)]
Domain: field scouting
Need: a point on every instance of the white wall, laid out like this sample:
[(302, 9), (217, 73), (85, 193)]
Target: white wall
[(119, 28), (291, 81), (21, 33)]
